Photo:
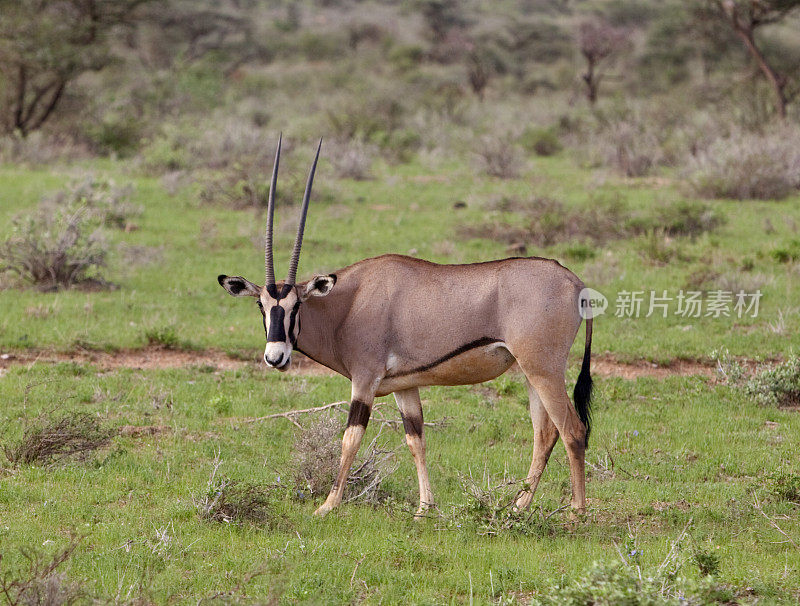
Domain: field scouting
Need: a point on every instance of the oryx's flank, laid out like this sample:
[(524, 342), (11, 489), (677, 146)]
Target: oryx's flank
[(393, 324)]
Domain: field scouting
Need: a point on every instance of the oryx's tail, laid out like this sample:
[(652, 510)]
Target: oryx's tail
[(583, 388)]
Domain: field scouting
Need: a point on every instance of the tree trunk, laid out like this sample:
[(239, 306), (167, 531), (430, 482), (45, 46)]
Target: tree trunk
[(777, 81)]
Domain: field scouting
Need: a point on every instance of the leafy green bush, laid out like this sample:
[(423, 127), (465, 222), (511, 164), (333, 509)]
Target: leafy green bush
[(116, 133), (778, 386), (541, 141)]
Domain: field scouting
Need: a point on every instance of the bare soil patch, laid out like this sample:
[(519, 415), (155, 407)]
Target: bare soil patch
[(603, 365)]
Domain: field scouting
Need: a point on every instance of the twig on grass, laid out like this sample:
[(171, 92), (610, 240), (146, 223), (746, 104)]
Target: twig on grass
[(772, 522), (290, 414)]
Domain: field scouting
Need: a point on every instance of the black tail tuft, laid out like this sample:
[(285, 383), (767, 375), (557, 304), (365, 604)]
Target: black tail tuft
[(583, 388)]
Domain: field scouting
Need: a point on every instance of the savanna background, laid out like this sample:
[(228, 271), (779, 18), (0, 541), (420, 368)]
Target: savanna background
[(147, 456)]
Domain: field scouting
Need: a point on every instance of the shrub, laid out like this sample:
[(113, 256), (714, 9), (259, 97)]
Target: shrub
[(56, 247), (103, 198), (540, 141), (235, 502), (785, 486), (115, 134), (38, 583), (630, 147), (498, 157), (490, 509), (352, 159), (50, 440), (747, 166), (547, 222), (778, 386), (616, 583), (316, 454)]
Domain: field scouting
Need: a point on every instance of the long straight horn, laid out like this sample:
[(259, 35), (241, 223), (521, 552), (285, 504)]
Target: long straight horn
[(298, 242), (270, 267)]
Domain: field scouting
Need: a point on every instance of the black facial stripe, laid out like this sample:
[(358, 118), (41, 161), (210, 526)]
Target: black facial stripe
[(456, 352), (359, 414), (292, 319), (277, 333)]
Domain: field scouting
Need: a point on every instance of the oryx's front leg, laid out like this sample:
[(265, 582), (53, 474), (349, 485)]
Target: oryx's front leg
[(357, 419), (411, 410)]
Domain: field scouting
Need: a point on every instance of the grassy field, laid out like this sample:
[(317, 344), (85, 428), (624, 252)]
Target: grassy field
[(683, 454), (690, 482), (167, 270)]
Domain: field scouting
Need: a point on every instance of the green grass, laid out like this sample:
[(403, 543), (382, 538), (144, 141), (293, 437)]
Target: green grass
[(407, 208), (684, 452)]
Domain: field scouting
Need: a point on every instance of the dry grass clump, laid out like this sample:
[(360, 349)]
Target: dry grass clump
[(234, 502), (56, 247), (498, 157), (316, 453), (50, 440), (38, 583), (748, 166)]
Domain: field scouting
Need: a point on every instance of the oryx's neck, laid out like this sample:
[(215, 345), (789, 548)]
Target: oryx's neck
[(318, 321)]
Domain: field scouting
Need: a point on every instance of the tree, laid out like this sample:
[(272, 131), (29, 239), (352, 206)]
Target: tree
[(598, 40), (745, 17), (45, 45)]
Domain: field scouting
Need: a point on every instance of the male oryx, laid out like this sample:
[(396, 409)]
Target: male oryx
[(393, 324)]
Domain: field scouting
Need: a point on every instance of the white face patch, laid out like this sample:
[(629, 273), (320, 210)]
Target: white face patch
[(282, 327)]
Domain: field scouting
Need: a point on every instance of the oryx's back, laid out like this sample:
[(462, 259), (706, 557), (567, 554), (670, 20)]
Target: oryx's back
[(456, 324)]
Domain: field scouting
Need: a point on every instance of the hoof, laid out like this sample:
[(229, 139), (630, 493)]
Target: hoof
[(323, 510)]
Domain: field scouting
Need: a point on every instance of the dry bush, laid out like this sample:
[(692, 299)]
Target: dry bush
[(62, 244), (38, 583), (352, 159), (748, 166), (49, 440), (316, 454), (103, 198), (38, 149), (629, 146), (498, 157)]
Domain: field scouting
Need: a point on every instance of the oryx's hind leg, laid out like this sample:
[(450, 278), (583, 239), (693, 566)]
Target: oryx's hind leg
[(548, 381), (360, 410), (411, 410), (545, 436)]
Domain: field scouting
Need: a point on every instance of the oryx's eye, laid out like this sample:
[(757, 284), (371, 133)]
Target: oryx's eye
[(260, 306)]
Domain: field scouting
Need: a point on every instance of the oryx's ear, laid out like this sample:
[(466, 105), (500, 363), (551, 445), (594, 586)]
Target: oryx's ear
[(238, 286), (318, 286)]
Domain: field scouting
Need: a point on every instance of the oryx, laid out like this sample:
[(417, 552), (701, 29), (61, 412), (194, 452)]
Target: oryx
[(393, 324)]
